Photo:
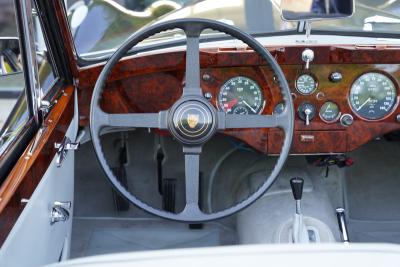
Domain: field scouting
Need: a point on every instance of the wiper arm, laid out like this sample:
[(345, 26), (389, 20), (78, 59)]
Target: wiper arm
[(371, 21)]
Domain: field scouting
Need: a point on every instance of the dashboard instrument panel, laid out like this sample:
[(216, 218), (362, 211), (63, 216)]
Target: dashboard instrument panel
[(343, 79)]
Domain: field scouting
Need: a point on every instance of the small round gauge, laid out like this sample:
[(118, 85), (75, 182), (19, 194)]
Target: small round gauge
[(329, 112), (279, 108), (241, 110), (306, 84), (239, 94), (373, 96)]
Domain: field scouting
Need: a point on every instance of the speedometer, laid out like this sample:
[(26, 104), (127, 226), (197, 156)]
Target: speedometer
[(373, 96), (241, 95)]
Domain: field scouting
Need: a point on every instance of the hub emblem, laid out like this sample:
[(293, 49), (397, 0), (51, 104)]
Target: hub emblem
[(192, 120)]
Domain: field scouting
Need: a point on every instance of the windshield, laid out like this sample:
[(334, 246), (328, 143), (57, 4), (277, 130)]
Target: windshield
[(100, 26)]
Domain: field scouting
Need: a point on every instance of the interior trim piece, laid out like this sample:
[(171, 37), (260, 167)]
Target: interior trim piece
[(29, 169)]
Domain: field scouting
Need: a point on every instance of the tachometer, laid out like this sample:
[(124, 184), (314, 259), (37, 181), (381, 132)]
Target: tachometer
[(373, 96), (306, 84), (241, 95)]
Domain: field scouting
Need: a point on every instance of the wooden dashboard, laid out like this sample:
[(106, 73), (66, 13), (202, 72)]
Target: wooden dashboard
[(152, 82)]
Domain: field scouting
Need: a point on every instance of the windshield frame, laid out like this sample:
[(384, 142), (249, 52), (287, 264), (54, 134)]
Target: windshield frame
[(88, 61)]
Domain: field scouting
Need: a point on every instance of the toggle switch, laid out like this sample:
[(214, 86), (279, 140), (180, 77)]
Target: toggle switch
[(307, 56), (306, 112)]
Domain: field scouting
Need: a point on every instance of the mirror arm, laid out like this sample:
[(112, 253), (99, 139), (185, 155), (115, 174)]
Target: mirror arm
[(304, 26)]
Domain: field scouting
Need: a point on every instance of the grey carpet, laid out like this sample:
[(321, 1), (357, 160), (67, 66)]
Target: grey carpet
[(99, 228), (107, 235), (260, 222), (372, 193), (374, 231)]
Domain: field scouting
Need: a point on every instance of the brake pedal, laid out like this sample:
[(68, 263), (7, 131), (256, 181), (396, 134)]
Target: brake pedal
[(168, 194)]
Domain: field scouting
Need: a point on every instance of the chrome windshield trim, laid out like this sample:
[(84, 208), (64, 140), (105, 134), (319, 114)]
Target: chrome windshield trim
[(28, 50)]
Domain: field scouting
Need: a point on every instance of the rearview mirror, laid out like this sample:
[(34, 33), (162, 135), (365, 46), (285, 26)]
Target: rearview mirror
[(9, 56), (302, 10)]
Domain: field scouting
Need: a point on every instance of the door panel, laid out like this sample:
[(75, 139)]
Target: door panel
[(33, 240)]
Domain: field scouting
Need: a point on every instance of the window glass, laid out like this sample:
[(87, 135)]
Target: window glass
[(46, 71), (13, 104)]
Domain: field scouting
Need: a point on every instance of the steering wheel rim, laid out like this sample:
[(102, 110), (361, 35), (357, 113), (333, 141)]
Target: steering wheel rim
[(191, 99)]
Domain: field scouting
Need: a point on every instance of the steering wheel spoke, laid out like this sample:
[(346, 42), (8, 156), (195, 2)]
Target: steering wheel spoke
[(192, 78), (133, 120), (192, 181)]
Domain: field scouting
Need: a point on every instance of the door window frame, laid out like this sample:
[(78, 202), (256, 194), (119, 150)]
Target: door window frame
[(38, 105)]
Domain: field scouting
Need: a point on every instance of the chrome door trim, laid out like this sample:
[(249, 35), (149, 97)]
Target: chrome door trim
[(28, 51)]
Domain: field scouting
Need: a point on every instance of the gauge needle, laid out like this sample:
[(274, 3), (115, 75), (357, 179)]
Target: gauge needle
[(252, 109), (360, 107)]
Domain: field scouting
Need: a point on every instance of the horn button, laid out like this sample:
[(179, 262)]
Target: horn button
[(193, 121)]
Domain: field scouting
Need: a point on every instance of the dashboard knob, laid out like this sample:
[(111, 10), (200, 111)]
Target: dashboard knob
[(346, 120), (335, 77), (308, 112), (307, 56)]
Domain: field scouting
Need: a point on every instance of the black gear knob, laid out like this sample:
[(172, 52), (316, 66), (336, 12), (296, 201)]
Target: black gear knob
[(297, 187)]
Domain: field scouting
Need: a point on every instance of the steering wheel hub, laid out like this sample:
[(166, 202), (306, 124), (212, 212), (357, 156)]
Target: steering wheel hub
[(192, 121)]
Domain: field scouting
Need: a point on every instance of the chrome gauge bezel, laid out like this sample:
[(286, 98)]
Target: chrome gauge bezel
[(336, 118), (315, 82), (218, 100), (393, 105)]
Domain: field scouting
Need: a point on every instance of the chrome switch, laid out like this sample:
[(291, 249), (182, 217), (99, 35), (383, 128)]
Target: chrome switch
[(306, 112), (307, 56)]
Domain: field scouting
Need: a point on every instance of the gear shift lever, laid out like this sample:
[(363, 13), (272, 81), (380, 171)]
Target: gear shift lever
[(300, 234), (297, 190)]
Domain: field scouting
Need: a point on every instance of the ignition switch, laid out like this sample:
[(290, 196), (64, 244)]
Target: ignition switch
[(306, 112)]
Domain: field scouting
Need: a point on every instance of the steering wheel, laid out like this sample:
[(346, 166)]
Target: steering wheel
[(191, 120)]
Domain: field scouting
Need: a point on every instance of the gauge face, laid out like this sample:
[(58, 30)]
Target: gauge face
[(329, 112), (373, 96), (279, 108), (241, 95), (306, 84)]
